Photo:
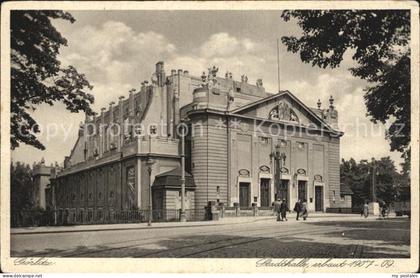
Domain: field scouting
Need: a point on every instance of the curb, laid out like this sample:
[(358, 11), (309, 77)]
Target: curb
[(207, 223), (210, 223)]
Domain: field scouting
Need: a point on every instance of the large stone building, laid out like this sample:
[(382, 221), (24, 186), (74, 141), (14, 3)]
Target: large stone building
[(244, 146)]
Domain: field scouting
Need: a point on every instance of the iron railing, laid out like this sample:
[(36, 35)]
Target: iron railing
[(73, 216)]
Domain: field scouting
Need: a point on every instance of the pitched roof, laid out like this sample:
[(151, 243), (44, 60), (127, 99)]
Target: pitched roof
[(293, 97), (172, 179), (174, 172)]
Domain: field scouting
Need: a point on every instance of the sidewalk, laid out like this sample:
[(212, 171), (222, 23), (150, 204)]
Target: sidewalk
[(167, 225), (133, 226)]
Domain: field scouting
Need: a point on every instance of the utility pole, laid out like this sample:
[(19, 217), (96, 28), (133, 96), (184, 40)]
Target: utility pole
[(278, 65), (373, 180), (149, 170), (183, 216)]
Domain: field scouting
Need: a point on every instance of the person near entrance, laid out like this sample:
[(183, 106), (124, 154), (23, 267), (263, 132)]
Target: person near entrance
[(366, 209), (277, 206), (304, 209), (298, 208), (283, 210)]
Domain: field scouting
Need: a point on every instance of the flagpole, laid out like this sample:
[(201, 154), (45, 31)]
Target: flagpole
[(278, 65)]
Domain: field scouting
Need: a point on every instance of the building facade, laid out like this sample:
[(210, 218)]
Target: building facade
[(243, 146)]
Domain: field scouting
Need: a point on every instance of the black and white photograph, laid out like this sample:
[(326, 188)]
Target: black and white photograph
[(278, 132)]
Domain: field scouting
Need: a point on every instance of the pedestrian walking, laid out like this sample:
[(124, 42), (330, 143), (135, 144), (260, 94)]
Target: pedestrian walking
[(366, 210), (283, 210), (298, 209), (304, 209), (384, 210), (277, 205)]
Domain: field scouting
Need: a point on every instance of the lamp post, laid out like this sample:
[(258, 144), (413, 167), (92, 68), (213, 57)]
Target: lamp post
[(374, 173), (183, 217), (373, 206), (280, 157), (149, 164)]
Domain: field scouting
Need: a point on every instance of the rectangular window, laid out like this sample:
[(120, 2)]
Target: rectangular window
[(264, 140), (131, 186)]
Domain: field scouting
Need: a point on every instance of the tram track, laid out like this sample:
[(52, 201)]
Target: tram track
[(231, 242)]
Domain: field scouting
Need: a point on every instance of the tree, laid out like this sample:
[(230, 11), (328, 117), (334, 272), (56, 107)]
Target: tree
[(380, 41), (21, 187), (354, 175), (358, 176), (36, 74), (385, 180)]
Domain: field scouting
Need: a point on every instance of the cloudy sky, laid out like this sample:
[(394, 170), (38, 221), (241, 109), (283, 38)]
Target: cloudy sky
[(117, 50)]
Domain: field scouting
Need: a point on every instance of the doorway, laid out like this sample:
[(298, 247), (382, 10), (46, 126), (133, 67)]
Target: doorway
[(319, 204), (265, 192), (302, 190), (283, 191), (244, 194)]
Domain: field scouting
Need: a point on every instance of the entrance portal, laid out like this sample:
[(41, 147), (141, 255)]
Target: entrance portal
[(319, 205), (265, 192), (244, 194), (302, 190)]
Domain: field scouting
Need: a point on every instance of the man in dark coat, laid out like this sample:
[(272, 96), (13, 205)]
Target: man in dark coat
[(304, 209), (283, 210), (298, 209), (277, 205)]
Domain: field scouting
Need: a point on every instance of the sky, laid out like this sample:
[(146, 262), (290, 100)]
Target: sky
[(117, 50)]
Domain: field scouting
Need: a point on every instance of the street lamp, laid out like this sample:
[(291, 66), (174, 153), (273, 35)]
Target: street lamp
[(374, 173), (149, 163), (183, 217), (280, 157)]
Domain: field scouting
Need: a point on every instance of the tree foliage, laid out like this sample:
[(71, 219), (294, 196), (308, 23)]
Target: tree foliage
[(21, 187), (358, 176), (379, 40), (36, 74)]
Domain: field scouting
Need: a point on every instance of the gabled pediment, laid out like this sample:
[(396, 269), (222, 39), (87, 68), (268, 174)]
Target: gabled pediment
[(283, 107)]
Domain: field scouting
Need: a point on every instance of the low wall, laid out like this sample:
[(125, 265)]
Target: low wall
[(339, 210), (232, 212)]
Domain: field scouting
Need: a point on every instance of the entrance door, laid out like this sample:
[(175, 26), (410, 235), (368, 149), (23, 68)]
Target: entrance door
[(283, 190), (244, 193), (302, 190), (319, 205), (265, 192)]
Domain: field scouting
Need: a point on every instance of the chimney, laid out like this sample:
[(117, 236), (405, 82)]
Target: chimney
[(121, 121), (131, 104), (160, 74), (101, 134), (111, 112)]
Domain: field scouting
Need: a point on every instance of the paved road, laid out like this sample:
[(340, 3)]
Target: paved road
[(316, 238)]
